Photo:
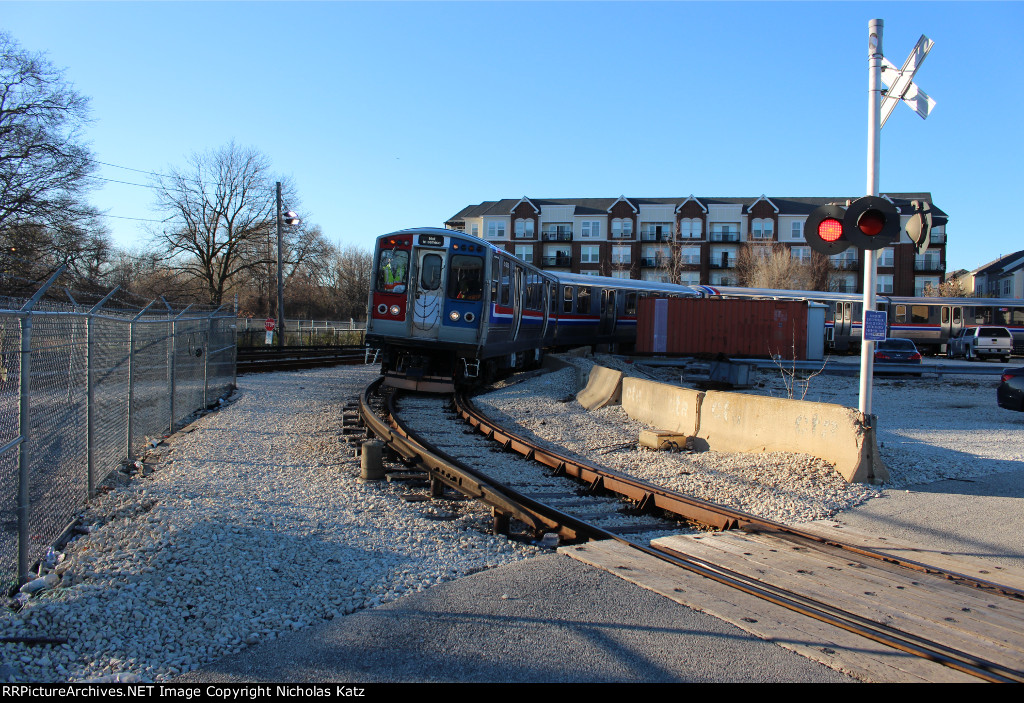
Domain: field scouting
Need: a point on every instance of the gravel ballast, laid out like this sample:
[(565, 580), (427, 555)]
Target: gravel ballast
[(255, 523)]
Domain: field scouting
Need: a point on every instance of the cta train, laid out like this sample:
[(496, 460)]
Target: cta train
[(446, 309)]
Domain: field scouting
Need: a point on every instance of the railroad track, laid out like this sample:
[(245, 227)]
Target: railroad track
[(266, 359), (966, 623)]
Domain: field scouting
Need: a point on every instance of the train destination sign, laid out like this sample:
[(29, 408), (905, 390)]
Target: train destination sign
[(432, 240)]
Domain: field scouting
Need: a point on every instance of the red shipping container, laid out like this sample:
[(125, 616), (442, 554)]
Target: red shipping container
[(712, 326)]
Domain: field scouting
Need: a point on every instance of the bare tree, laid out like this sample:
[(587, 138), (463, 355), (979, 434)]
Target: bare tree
[(953, 288), (773, 266), (45, 168), (223, 206)]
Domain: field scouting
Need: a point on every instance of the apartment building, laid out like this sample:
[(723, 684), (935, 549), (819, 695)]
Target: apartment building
[(695, 238)]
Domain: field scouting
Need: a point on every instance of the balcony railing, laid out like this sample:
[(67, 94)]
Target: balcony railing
[(559, 261), (728, 264), (725, 236), (654, 237), (842, 289), (553, 236), (928, 265), (651, 263), (845, 265)]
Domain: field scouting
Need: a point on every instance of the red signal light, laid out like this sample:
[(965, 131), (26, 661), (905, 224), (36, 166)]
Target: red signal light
[(830, 229), (871, 222)]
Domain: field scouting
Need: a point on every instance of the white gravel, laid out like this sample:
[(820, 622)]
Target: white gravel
[(255, 523)]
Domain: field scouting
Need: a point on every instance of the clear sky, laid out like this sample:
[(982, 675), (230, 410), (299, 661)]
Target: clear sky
[(389, 115)]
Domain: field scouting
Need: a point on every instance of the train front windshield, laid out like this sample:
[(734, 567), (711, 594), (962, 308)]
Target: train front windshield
[(392, 271), (466, 279)]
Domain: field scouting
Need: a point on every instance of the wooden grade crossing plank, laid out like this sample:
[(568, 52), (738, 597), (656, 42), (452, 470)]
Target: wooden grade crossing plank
[(962, 617), (834, 647), (966, 564)]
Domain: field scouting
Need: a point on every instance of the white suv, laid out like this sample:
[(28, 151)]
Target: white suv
[(980, 342)]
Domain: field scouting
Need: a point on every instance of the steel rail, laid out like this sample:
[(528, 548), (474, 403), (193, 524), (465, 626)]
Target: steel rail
[(646, 495), (459, 477), (463, 479)]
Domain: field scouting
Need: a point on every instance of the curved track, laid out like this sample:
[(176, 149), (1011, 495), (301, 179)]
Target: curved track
[(1002, 663)]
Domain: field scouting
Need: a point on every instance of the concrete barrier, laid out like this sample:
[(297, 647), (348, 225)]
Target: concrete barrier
[(738, 422), (662, 406), (604, 387)]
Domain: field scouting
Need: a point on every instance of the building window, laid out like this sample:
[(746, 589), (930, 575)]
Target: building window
[(887, 257), (524, 229), (690, 228), (926, 283), (495, 230), (524, 252), (883, 284), (797, 232), (689, 278), (590, 272), (590, 254), (474, 229), (762, 229), (621, 254), (590, 229), (622, 228), (1007, 287), (620, 274), (801, 254), (689, 255)]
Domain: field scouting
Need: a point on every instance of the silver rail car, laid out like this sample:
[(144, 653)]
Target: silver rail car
[(446, 309)]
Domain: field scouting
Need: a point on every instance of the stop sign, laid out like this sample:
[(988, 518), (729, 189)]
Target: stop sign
[(269, 324)]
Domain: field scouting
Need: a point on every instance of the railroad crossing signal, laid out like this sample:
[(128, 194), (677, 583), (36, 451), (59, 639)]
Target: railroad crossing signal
[(901, 83), (868, 223), (919, 226)]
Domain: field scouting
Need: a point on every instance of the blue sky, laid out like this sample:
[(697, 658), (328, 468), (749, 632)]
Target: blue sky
[(389, 115)]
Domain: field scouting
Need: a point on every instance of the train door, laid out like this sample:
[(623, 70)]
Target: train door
[(607, 325), (843, 323), (951, 320), (428, 294), (517, 302)]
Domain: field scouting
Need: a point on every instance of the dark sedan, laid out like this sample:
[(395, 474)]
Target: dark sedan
[(1011, 391), (899, 351)]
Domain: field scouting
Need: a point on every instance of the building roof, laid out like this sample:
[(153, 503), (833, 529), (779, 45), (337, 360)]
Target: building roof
[(600, 206), (1002, 265)]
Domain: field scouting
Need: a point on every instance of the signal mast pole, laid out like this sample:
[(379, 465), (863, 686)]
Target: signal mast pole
[(871, 259)]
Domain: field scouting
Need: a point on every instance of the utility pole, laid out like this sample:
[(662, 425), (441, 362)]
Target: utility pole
[(280, 279)]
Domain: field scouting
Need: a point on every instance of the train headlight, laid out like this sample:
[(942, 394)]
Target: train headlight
[(395, 309), (382, 309), (470, 317), (454, 315)]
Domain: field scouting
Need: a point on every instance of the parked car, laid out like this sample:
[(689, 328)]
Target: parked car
[(980, 342), (899, 351), (1010, 394)]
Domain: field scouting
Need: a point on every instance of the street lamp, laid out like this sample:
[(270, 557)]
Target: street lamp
[(291, 219)]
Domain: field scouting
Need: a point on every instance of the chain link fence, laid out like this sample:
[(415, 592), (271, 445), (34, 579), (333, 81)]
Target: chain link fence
[(85, 384)]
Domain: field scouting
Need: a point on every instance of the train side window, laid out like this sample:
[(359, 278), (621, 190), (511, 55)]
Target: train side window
[(583, 300), (505, 280), (495, 276), (1003, 316), (567, 299), (956, 316), (945, 315), (631, 303), (465, 277), (901, 313), (919, 314)]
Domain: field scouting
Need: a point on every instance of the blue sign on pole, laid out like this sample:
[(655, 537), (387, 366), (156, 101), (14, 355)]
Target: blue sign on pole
[(874, 325)]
